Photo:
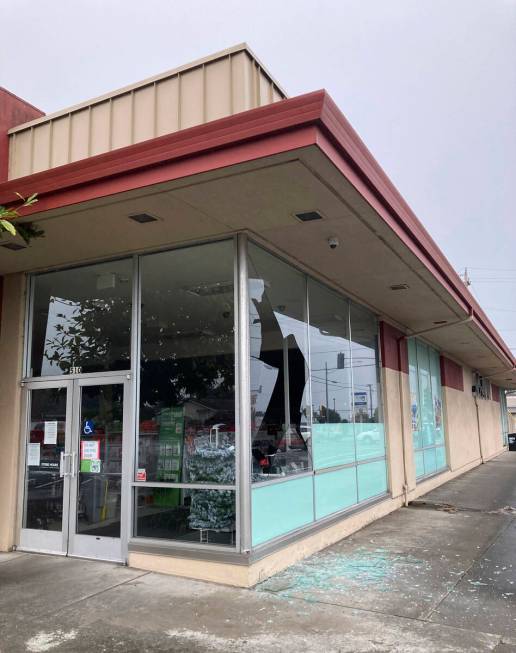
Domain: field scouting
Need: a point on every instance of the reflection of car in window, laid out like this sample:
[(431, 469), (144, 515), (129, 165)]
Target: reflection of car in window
[(368, 437)]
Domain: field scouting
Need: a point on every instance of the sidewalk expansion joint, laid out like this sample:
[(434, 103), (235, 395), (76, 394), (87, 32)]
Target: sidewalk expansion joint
[(426, 616), (94, 594), (419, 619)]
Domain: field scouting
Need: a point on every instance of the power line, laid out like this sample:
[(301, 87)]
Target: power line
[(502, 310), (492, 269)]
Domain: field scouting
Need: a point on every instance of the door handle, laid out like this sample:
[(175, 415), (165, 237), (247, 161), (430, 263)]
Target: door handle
[(73, 471), (61, 464), (71, 464)]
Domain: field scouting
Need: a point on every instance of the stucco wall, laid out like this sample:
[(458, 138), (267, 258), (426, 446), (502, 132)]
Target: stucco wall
[(396, 431), (460, 422), (490, 427), (11, 351), (462, 426)]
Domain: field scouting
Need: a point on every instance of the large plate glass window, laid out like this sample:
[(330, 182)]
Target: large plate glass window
[(81, 320), (280, 403), (318, 445), (187, 396)]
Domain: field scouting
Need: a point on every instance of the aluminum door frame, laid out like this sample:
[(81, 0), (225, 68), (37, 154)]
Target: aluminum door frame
[(93, 546), (31, 539)]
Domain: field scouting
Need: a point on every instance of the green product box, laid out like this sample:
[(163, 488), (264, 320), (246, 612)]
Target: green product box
[(170, 454)]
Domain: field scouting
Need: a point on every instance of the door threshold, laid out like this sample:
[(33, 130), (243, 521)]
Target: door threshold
[(42, 551), (115, 561)]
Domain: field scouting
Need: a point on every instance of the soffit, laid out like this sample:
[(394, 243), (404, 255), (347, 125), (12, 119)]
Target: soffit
[(262, 197)]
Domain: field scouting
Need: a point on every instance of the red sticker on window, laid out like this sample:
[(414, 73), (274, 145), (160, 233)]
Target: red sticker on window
[(141, 475)]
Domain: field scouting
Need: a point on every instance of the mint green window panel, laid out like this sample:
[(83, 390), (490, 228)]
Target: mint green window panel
[(425, 395), (370, 440), (435, 376), (332, 445), (372, 479), (419, 461), (335, 491), (280, 508), (426, 409), (440, 458), (414, 395), (430, 461)]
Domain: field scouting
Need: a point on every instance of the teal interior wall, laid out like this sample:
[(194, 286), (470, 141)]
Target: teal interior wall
[(316, 353), (281, 507)]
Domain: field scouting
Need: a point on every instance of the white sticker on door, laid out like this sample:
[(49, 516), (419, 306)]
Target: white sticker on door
[(50, 436), (33, 454)]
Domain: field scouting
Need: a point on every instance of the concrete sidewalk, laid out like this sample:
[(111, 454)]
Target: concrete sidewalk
[(437, 576)]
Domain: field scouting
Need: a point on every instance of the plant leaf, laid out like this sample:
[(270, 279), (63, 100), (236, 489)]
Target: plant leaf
[(8, 226)]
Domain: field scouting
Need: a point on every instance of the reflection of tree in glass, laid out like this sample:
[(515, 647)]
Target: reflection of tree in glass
[(176, 367), (90, 333)]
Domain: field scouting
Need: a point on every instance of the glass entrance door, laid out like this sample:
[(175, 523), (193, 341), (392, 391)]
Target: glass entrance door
[(74, 489), (46, 481)]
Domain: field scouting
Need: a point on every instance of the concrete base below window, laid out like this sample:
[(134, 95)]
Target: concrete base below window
[(249, 573)]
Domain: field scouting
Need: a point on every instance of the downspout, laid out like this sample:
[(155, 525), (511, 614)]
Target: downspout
[(482, 461), (439, 327), (402, 415)]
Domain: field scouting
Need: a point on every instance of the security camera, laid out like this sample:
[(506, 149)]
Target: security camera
[(333, 242)]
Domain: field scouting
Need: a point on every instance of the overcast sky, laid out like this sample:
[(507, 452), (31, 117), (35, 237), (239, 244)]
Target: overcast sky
[(430, 86)]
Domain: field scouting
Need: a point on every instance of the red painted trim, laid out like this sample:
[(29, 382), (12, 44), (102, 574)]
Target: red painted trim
[(393, 348), (343, 146), (247, 128), (290, 124), (170, 170), (13, 111), (451, 374), (495, 393)]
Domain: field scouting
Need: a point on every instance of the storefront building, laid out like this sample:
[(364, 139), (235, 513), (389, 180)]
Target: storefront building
[(235, 343)]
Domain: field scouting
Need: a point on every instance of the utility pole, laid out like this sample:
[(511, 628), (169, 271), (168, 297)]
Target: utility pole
[(327, 398), (370, 386), (465, 278)]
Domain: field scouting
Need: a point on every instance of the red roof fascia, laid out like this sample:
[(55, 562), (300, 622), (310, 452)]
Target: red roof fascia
[(286, 125), (399, 215)]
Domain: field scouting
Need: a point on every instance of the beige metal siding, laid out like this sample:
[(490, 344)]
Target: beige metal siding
[(122, 111), (206, 90), (167, 109), (79, 134)]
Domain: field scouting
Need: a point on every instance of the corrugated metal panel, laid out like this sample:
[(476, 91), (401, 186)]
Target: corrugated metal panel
[(217, 86)]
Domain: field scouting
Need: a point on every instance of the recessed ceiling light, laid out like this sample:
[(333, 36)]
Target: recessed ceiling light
[(399, 286), (15, 247), (308, 216), (441, 322), (142, 218)]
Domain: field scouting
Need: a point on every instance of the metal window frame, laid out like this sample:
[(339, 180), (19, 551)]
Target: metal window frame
[(244, 396), (243, 483), (133, 538), (445, 443), (316, 524)]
